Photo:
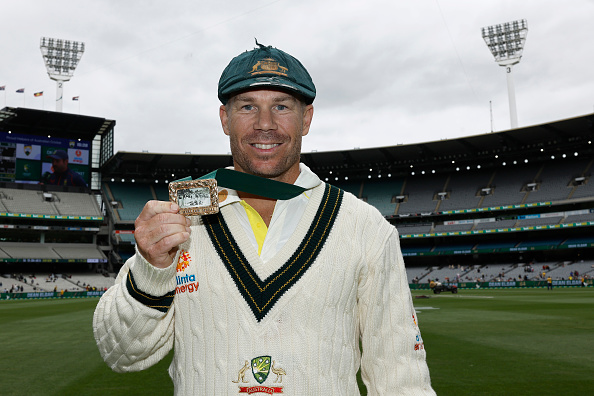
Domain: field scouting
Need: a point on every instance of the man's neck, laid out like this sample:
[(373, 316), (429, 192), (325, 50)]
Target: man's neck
[(264, 206), (289, 176)]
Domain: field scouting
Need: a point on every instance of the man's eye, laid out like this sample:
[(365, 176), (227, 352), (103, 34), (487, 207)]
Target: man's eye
[(247, 107), (281, 107)]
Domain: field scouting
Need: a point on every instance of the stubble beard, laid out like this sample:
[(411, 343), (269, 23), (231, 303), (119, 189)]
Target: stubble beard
[(243, 161)]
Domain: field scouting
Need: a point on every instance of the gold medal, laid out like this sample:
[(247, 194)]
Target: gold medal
[(195, 197)]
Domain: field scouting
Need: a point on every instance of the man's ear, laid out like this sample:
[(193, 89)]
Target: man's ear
[(224, 119), (307, 117)]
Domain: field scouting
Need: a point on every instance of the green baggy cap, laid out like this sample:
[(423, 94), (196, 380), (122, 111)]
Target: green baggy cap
[(266, 67)]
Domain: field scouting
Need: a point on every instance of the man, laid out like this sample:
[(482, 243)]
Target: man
[(271, 295), (62, 175)]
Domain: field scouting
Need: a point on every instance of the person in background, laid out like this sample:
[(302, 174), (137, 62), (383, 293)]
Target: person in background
[(62, 175)]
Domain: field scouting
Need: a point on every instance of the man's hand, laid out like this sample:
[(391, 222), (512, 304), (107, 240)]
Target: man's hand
[(160, 229)]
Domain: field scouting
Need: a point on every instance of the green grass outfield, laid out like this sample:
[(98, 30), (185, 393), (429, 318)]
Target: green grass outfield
[(478, 342)]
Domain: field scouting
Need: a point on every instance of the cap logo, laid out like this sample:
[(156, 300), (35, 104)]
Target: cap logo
[(268, 66)]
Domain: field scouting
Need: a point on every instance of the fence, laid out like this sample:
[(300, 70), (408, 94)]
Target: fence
[(38, 295), (507, 284)]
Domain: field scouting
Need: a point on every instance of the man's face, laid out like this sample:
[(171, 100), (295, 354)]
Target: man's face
[(60, 165), (265, 128)]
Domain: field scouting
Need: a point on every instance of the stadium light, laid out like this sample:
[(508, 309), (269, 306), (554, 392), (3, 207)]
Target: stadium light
[(61, 58), (506, 43)]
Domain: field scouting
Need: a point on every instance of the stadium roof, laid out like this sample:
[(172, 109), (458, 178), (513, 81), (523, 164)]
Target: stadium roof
[(43, 123), (535, 143)]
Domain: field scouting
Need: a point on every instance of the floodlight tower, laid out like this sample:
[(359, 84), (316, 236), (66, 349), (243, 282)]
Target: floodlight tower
[(506, 42), (61, 58)]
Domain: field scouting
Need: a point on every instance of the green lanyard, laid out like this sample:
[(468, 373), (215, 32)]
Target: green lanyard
[(251, 184)]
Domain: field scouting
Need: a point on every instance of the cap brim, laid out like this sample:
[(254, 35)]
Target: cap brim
[(264, 82)]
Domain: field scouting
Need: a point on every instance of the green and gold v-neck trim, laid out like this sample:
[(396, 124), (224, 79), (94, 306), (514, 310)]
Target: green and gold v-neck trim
[(262, 295)]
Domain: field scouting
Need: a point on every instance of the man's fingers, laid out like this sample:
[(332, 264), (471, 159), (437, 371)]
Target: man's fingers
[(154, 235), (161, 253), (158, 230), (159, 223), (153, 208)]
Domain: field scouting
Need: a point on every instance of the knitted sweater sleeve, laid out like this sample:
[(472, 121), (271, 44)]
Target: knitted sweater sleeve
[(131, 334), (393, 358)]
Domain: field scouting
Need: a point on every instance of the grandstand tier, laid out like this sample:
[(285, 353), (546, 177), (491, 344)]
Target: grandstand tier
[(503, 199)]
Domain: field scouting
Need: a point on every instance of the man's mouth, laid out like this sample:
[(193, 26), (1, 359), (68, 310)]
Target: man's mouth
[(265, 146)]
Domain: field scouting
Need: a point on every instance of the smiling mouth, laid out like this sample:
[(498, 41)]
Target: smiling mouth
[(265, 146)]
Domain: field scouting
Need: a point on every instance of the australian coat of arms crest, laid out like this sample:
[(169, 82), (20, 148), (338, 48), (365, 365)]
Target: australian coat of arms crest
[(261, 368)]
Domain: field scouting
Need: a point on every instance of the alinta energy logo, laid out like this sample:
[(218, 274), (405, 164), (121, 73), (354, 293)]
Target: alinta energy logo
[(184, 261), (261, 367), (185, 283), (78, 159)]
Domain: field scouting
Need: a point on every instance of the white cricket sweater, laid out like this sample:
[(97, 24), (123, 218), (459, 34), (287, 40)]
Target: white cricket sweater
[(307, 339)]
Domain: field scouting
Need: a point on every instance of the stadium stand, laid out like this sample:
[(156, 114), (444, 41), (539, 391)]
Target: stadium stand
[(540, 242), (585, 190), (86, 280), (452, 228), (463, 193), (415, 274), (380, 194), (486, 273), (497, 245), (132, 198), (2, 207), (457, 207), (161, 192), (421, 229), (448, 247), (567, 270), (526, 271), (20, 283), (67, 251), (78, 251), (553, 182), (352, 187), (25, 201), (578, 241), (420, 193), (492, 225), (539, 221), (579, 218), (129, 238), (507, 183), (29, 251), (76, 204), (463, 189)]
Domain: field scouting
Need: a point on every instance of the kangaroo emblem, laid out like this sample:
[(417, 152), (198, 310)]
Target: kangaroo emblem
[(279, 373), (241, 375)]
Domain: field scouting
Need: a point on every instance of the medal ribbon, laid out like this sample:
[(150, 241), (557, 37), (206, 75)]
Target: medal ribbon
[(251, 184)]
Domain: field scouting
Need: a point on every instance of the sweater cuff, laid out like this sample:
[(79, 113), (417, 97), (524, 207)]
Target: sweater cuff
[(152, 286)]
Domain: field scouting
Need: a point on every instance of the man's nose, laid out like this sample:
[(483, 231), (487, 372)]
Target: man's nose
[(265, 120)]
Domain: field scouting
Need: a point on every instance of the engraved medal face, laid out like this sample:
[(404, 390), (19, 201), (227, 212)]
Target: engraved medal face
[(195, 197)]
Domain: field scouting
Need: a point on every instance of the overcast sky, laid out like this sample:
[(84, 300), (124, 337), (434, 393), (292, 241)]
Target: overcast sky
[(387, 72)]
